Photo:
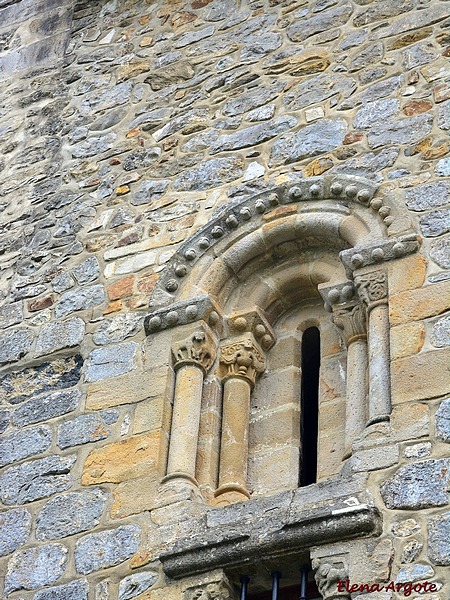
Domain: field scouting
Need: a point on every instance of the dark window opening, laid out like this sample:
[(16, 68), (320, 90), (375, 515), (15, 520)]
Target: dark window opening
[(309, 406)]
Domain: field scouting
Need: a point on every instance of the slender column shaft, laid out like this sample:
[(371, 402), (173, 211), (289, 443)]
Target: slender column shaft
[(356, 417), (234, 441), (379, 364), (185, 421)]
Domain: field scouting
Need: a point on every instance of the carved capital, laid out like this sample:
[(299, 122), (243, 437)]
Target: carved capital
[(242, 357), (347, 311), (372, 288), (213, 590), (198, 348), (329, 570)]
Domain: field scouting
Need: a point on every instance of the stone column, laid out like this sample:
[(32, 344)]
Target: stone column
[(372, 289), (192, 357), (240, 362)]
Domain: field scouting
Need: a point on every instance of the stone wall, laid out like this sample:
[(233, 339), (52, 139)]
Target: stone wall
[(125, 127)]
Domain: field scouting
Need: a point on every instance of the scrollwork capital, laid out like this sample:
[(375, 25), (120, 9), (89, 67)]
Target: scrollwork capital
[(372, 288), (242, 357)]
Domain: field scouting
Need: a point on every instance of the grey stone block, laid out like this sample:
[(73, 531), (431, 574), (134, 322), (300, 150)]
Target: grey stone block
[(86, 428), (75, 590), (35, 567), (251, 99), (440, 252), (117, 329), (321, 136), (94, 145), (444, 115), (4, 420), (79, 299), (17, 386), (443, 168), (22, 444), (440, 335), (70, 513), (36, 479), (413, 573), (87, 271), (15, 344), (443, 421), (56, 336), (46, 406), (438, 539), (15, 528), (106, 549), (302, 29), (428, 195), (317, 89), (149, 190), (405, 131), (375, 113), (435, 223), (210, 173), (111, 361), (419, 485), (135, 584), (11, 314), (251, 136)]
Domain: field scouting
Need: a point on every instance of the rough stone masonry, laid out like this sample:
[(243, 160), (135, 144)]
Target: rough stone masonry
[(153, 152)]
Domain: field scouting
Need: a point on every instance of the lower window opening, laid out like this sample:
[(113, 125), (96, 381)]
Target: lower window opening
[(309, 406)]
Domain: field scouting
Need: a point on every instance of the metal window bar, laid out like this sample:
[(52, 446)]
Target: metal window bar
[(244, 585), (275, 584), (276, 576), (304, 582)]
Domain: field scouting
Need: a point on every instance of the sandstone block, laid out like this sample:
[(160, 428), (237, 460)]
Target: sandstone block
[(122, 460), (422, 376), (407, 339), (125, 389), (419, 304), (15, 528), (148, 415), (407, 274), (35, 567), (106, 549), (135, 496)]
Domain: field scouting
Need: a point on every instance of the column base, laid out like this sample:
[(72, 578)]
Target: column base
[(178, 487), (229, 493)]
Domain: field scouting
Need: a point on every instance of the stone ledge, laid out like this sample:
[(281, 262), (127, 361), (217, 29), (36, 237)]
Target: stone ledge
[(278, 526)]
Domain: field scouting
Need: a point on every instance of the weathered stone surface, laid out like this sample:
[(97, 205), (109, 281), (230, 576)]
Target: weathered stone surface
[(428, 195), (443, 421), (368, 165), (444, 115), (87, 271), (302, 29), (94, 145), (22, 444), (407, 339), (424, 302), (37, 479), (35, 567), (415, 20), (106, 549), (210, 173), (405, 528), (76, 590), (46, 407), (86, 428), (79, 299), (443, 168), (321, 136), (120, 461), (382, 10), (194, 117), (118, 328), (421, 376), (440, 335), (70, 513), (15, 529), (149, 190), (251, 99), (135, 584), (413, 573), (17, 386), (438, 536), (111, 361), (59, 335), (11, 314), (4, 420), (435, 223), (15, 344), (416, 486), (405, 131), (376, 113), (125, 389), (418, 450), (411, 551), (317, 89), (440, 252), (252, 136)]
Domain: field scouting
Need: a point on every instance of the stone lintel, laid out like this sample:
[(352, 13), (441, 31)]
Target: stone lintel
[(290, 526), (201, 308), (379, 252)]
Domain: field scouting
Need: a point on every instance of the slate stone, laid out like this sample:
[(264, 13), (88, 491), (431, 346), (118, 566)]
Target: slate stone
[(17, 386), (413, 573), (405, 131), (11, 314), (94, 145), (62, 282), (440, 252), (381, 89), (419, 485), (435, 223), (261, 114), (251, 136), (35, 567), (210, 173), (87, 271), (135, 584), (201, 141), (302, 29), (70, 513), (375, 113), (117, 329), (36, 479), (444, 115), (440, 335), (367, 55), (111, 361), (148, 191), (25, 443), (47, 406), (106, 549), (108, 99), (414, 20), (442, 168), (193, 36), (257, 46), (438, 539), (381, 10), (321, 136), (420, 54), (428, 195), (369, 164), (15, 344), (443, 421), (140, 159), (75, 590), (15, 528), (317, 89), (200, 115), (86, 428), (79, 299), (56, 336), (251, 99), (4, 420)]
